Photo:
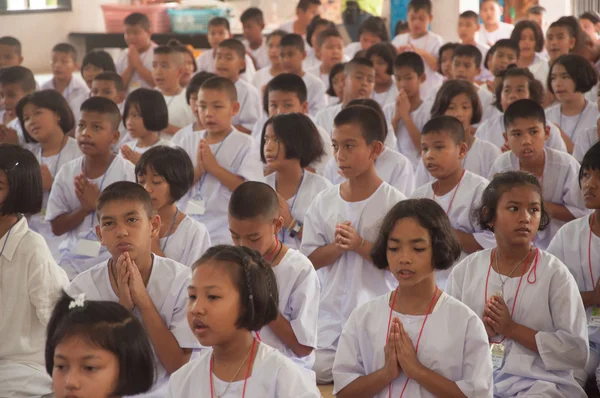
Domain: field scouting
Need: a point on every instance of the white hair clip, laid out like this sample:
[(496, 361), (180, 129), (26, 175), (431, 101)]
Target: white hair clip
[(78, 301)]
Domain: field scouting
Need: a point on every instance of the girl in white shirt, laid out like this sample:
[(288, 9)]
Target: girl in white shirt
[(390, 346), (91, 347), (264, 75), (372, 31), (335, 91), (233, 293), (382, 56), (530, 37)]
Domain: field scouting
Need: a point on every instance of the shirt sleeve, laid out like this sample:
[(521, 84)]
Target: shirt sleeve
[(197, 245), (292, 382), (251, 168), (313, 235), (318, 98), (250, 109), (403, 179), (477, 375), (179, 326), (555, 140), (348, 364), (58, 199), (46, 280), (572, 197), (304, 303)]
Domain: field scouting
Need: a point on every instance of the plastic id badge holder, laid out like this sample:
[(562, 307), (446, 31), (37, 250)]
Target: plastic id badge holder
[(88, 246), (498, 351), (196, 207), (595, 318)]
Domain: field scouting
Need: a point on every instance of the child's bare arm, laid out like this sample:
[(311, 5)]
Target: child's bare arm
[(68, 221), (325, 255), (283, 329)]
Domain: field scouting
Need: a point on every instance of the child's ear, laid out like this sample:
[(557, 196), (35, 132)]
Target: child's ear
[(304, 106), (572, 42), (21, 60), (505, 136), (423, 77), (376, 149), (304, 54), (235, 108), (546, 132), (121, 96), (463, 148), (76, 66), (99, 234), (155, 223), (278, 224), (478, 69), (116, 136)]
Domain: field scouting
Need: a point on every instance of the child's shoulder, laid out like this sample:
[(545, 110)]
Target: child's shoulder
[(71, 169), (392, 157), (424, 191), (579, 227), (317, 181), (238, 137), (473, 179), (472, 264), (553, 110), (91, 282), (485, 148), (559, 158), (170, 269), (297, 261), (401, 38)]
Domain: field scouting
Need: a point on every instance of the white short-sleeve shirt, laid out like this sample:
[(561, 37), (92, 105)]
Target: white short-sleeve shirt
[(260, 55), (386, 97), (251, 105), (490, 38), (75, 93), (206, 63), (136, 80), (315, 88), (585, 141), (180, 113), (187, 243), (351, 49), (574, 126), (262, 78)]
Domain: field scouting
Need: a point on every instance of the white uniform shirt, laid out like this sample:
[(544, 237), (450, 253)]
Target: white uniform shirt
[(136, 80), (485, 73), (75, 93), (386, 97), (206, 63), (540, 71), (15, 125), (262, 78), (315, 88), (180, 113), (260, 55), (585, 141), (490, 38), (187, 243), (351, 49), (251, 105), (574, 126)]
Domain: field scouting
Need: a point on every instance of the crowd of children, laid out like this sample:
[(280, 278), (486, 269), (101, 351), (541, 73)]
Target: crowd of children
[(288, 210)]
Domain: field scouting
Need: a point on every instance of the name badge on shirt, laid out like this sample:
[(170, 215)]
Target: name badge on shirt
[(196, 207), (498, 351), (88, 248), (595, 318)]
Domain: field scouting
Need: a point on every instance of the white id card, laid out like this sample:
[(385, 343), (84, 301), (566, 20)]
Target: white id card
[(595, 318), (196, 207), (498, 351), (88, 248)]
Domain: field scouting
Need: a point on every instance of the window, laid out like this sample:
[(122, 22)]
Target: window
[(26, 6), (581, 6)]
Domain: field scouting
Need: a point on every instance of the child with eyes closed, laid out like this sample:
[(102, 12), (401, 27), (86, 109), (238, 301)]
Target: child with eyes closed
[(191, 97)]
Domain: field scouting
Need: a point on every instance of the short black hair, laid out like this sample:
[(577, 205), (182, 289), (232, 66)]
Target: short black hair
[(152, 107), (104, 106), (326, 34), (417, 5), (293, 40), (449, 90), (276, 33), (18, 75), (298, 135), (137, 18), (591, 16), (183, 49), (371, 103), (316, 22), (524, 109), (112, 77), (591, 161), (502, 43), (411, 60), (485, 212), (287, 83), (536, 10), (48, 99), (446, 47), (468, 50), (172, 164), (236, 46), (354, 63), (428, 213), (222, 84), (196, 82), (124, 191), (219, 21), (108, 326), (335, 70), (536, 89), (254, 280), (570, 23), (100, 59), (537, 33), (169, 50), (372, 126), (446, 124), (66, 48), (254, 14), (579, 69), (25, 194), (470, 15), (305, 4), (254, 199), (12, 42), (376, 26), (385, 51)]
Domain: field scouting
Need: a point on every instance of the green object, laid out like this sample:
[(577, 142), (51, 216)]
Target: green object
[(373, 7), (513, 14)]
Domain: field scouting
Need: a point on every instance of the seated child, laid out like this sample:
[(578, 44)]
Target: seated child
[(248, 302), (167, 174), (105, 338), (330, 51), (382, 55), (189, 61), (340, 226), (372, 30), (110, 85), (16, 82), (586, 140), (47, 120), (445, 60), (274, 67), (527, 299), (134, 63), (64, 63), (531, 43), (414, 242), (290, 142), (537, 14), (223, 158), (10, 52), (230, 64), (493, 29), (95, 63), (253, 23), (31, 280), (167, 69), (313, 30), (335, 92), (306, 11), (191, 96), (500, 56), (72, 203), (468, 28), (526, 132), (152, 288), (257, 227)]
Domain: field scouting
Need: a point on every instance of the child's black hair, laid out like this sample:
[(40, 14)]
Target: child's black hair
[(591, 16), (445, 124), (222, 84), (18, 75), (124, 191), (470, 51), (298, 135), (371, 103), (172, 164), (276, 33), (449, 90), (571, 24), (236, 46), (417, 5), (287, 83), (443, 49), (591, 161), (219, 21), (196, 82), (524, 109), (411, 60), (316, 22), (254, 199), (485, 212), (355, 62), (536, 89), (385, 51), (100, 59), (445, 249), (470, 15), (376, 26), (254, 280), (66, 48), (326, 34), (253, 14), (304, 5), (370, 122), (169, 50), (112, 77), (502, 43), (12, 42), (537, 33), (337, 68), (152, 107), (25, 194), (293, 40), (48, 99), (108, 326), (183, 49), (579, 69), (401, 26), (104, 106), (536, 10), (137, 18)]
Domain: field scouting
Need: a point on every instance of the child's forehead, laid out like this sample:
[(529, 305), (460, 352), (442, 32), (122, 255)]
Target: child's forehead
[(505, 51), (349, 131), (438, 135), (214, 273), (218, 28), (333, 40), (290, 49), (136, 27), (95, 116), (213, 95), (121, 208), (463, 57), (8, 48), (62, 54), (418, 13), (404, 70), (558, 29), (283, 95), (361, 69), (11, 87), (104, 83), (227, 50), (525, 122)]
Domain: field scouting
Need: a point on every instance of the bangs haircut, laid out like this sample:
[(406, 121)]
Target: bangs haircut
[(524, 109), (25, 193), (254, 199), (376, 26), (223, 85), (470, 51), (12, 42), (445, 124), (326, 34), (443, 49), (502, 43), (445, 249), (371, 103), (591, 161), (591, 16), (370, 122), (172, 164), (152, 107), (571, 24), (304, 5), (219, 21), (108, 326), (18, 75), (47, 99), (253, 14), (293, 40), (298, 135), (536, 89), (124, 191), (470, 15), (418, 5), (195, 83), (410, 60), (100, 59), (538, 35), (112, 77), (138, 19), (253, 278), (234, 45), (317, 22), (287, 83), (105, 107), (485, 212), (337, 69), (66, 48), (579, 69), (449, 90), (385, 51)]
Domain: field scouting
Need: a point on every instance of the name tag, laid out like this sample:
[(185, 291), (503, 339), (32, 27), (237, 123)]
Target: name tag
[(196, 207), (498, 352), (595, 318), (88, 248)]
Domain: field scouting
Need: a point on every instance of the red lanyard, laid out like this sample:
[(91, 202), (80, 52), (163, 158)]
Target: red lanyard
[(418, 339), (268, 255), (533, 269), (210, 375), (590, 250), (454, 194)]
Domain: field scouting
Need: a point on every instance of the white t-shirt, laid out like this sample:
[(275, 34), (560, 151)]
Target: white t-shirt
[(490, 38), (351, 49), (187, 243), (350, 280), (63, 200), (75, 93), (316, 93), (487, 100), (251, 105), (316, 72), (260, 55), (548, 302), (462, 356), (262, 78), (386, 97), (167, 288), (540, 71), (574, 126), (584, 142), (180, 113), (311, 61), (206, 63), (485, 73), (123, 62)]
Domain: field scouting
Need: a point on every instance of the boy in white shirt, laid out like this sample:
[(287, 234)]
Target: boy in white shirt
[(537, 14), (134, 64), (110, 85), (153, 288), (10, 52), (191, 96), (306, 10), (223, 158), (340, 225), (15, 83), (493, 29), (72, 203), (330, 50), (253, 23), (468, 26)]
